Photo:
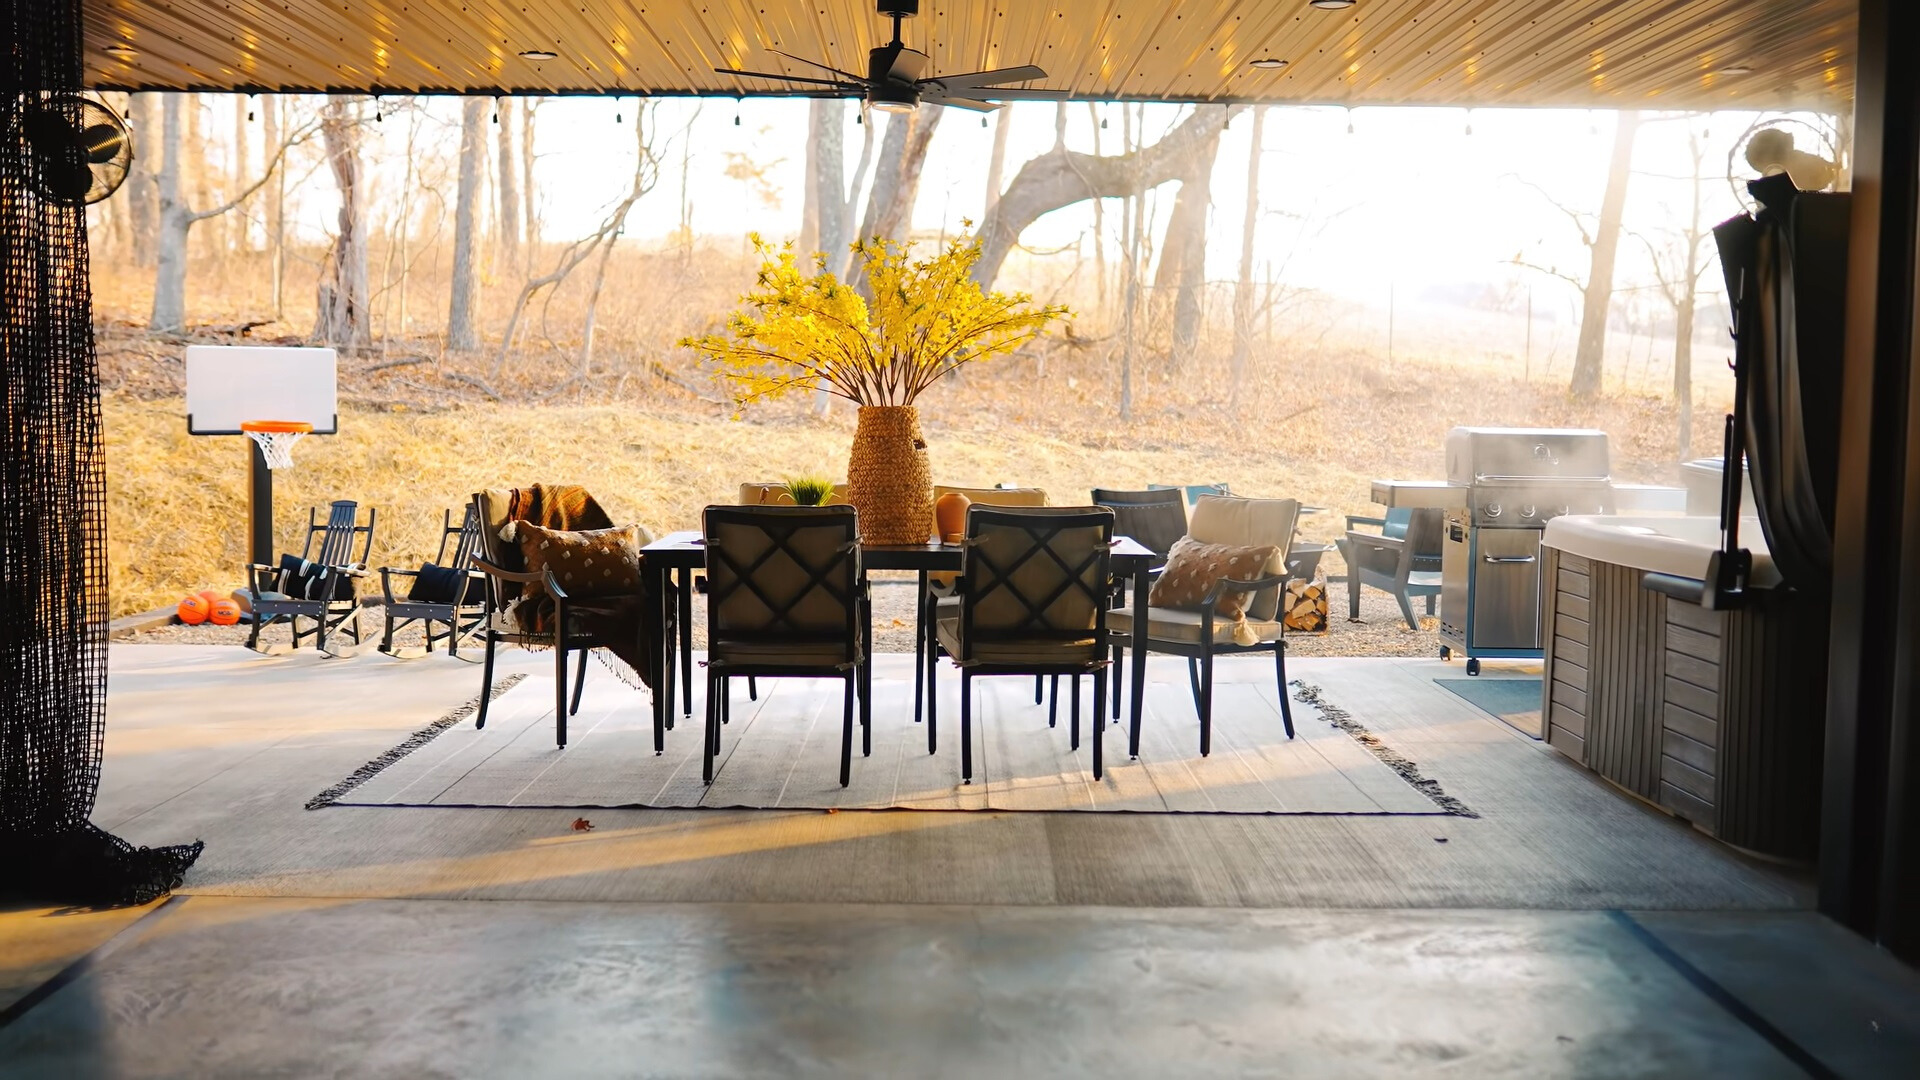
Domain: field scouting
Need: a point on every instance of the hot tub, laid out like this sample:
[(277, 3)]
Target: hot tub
[(1715, 716)]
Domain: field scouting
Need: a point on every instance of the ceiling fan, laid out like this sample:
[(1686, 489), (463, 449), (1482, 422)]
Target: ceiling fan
[(896, 79)]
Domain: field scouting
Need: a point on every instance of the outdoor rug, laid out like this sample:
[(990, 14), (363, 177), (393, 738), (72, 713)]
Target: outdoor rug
[(783, 751), (1516, 701)]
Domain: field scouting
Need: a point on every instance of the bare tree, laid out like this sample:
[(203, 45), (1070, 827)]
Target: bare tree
[(507, 162), (997, 160), (646, 172), (1243, 285), (1183, 252), (343, 313), (461, 331), (176, 217), (1596, 299), (242, 233), (1678, 267), (143, 193), (896, 180), (839, 244), (1062, 177), (272, 108), (529, 203)]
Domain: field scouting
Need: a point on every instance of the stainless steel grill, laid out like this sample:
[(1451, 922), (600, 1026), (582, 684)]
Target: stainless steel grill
[(1514, 480)]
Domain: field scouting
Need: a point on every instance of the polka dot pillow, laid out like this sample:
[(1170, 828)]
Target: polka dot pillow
[(596, 562), (1193, 568)]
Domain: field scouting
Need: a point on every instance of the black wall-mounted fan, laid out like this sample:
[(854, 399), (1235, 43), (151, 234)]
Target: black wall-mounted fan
[(81, 149), (896, 79)]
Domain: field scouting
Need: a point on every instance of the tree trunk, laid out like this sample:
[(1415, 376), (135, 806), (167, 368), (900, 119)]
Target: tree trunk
[(1061, 177), (810, 203), (1683, 373), (173, 220), (1597, 300), (896, 180), (461, 333), (508, 186), (1183, 254), (343, 317), (1243, 284), (845, 239), (1130, 179), (997, 160), (143, 193), (1099, 223), (271, 108), (530, 233), (242, 227), (593, 306)]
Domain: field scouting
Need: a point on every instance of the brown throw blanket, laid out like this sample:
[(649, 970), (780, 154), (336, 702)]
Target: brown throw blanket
[(629, 626)]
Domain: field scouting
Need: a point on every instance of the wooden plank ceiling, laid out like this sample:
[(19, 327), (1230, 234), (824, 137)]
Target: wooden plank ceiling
[(1663, 54)]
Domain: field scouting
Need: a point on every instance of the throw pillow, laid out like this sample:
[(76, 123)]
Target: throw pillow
[(436, 585), (1193, 568), (312, 581), (597, 562)]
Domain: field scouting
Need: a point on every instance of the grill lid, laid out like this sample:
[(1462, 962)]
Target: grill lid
[(1488, 455)]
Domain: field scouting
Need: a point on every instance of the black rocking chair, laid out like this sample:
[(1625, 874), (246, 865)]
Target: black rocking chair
[(321, 588), (463, 612)]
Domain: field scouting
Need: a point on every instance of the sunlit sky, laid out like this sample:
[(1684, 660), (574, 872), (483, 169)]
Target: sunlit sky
[(1356, 200)]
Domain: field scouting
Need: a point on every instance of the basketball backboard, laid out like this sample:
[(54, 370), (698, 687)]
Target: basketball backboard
[(230, 384)]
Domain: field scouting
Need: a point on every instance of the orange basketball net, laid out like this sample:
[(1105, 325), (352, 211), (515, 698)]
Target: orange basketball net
[(276, 439)]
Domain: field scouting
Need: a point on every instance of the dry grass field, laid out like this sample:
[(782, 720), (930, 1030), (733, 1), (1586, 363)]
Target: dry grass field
[(1322, 413)]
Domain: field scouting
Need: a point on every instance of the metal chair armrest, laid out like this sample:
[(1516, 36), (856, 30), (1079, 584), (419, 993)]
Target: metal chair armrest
[(1227, 585), (553, 586), (504, 574), (1362, 519)]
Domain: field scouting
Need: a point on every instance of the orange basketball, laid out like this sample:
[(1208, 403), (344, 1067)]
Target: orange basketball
[(211, 596), (193, 610), (224, 613)]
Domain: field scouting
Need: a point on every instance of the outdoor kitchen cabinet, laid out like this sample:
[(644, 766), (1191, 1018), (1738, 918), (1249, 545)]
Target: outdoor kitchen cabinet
[(1715, 716)]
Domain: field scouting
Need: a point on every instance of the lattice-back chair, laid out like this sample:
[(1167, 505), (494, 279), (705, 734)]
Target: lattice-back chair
[(319, 585), (503, 570), (1195, 632), (940, 584), (786, 598), (753, 493), (1031, 600), (453, 593)]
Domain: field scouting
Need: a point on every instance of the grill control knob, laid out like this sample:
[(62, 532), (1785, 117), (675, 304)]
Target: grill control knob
[(1527, 511), (1493, 510)]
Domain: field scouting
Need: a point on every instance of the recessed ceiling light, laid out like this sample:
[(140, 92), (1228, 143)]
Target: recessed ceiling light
[(1268, 62), (1735, 69), (121, 49), (538, 54), (1331, 5)]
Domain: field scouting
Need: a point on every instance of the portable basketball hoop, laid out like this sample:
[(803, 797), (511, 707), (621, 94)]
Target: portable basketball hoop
[(276, 439)]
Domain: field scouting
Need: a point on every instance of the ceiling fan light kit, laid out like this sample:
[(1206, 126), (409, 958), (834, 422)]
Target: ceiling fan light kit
[(538, 54), (896, 79), (1331, 5), (1269, 63)]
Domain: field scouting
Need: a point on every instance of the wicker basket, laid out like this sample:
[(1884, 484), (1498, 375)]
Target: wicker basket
[(888, 479)]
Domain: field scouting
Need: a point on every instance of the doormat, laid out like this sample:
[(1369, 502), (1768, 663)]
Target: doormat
[(1516, 701)]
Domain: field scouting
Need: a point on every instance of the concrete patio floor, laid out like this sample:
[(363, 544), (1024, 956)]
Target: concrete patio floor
[(1568, 931)]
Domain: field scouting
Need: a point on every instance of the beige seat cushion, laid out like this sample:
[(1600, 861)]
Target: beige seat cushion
[(1015, 651), (797, 653), (1025, 496), (1226, 519), (1170, 624)]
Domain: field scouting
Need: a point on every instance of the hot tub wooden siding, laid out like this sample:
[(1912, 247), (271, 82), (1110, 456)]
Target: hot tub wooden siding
[(1716, 716)]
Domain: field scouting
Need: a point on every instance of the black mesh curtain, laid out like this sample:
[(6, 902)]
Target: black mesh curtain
[(53, 569)]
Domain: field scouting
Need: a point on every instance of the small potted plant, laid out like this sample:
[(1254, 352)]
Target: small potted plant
[(927, 318), (809, 490)]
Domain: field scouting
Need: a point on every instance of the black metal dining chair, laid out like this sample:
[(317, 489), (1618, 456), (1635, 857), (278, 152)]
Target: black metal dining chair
[(1031, 600), (786, 598)]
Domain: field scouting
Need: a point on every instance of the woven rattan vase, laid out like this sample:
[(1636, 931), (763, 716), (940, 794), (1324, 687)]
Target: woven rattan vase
[(888, 479)]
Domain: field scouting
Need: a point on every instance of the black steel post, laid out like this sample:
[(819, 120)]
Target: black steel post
[(1870, 844), (259, 504)]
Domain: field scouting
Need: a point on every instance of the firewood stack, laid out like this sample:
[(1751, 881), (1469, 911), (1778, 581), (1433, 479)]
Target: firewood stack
[(1305, 607)]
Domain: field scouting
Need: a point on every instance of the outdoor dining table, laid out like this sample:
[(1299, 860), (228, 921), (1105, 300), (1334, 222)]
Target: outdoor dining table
[(670, 563)]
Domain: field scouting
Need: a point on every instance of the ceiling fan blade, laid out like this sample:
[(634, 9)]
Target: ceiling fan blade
[(988, 93), (960, 102), (790, 78), (818, 64), (988, 78)]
